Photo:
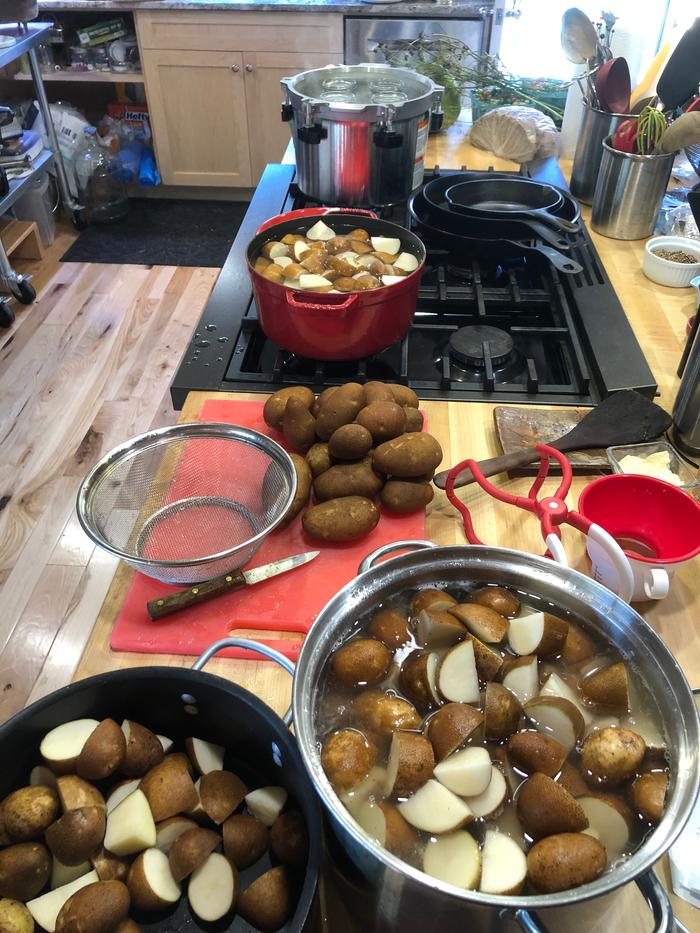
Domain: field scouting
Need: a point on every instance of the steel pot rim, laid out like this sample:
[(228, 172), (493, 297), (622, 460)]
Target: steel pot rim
[(354, 599), (636, 156)]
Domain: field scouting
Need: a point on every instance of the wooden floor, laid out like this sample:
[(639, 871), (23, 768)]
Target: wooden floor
[(88, 365)]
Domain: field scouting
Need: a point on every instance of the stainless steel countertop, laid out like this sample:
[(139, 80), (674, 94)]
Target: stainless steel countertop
[(432, 8)]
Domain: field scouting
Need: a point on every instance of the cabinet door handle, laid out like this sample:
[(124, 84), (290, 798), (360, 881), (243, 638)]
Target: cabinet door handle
[(235, 68), (248, 68)]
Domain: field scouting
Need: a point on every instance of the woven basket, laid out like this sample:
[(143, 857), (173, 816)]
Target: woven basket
[(18, 11)]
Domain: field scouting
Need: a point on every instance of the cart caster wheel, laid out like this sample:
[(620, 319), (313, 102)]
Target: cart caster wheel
[(7, 315), (24, 292), (80, 220)]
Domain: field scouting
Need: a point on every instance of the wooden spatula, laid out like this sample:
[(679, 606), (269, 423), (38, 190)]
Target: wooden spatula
[(623, 418)]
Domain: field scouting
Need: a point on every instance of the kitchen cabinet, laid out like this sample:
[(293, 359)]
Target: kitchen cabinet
[(212, 84)]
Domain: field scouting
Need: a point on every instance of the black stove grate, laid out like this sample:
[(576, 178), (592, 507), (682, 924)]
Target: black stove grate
[(571, 342)]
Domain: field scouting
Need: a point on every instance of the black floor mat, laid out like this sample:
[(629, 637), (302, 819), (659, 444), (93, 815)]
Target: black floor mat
[(163, 232)]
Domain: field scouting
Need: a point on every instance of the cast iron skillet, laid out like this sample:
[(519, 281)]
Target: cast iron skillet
[(509, 199), (259, 746), (483, 241)]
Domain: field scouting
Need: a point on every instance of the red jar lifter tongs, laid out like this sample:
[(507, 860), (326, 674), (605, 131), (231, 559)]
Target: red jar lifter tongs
[(552, 512)]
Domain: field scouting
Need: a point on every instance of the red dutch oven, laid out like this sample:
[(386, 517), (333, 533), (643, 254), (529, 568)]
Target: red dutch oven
[(328, 326)]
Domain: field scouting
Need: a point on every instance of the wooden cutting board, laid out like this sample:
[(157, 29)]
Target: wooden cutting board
[(518, 428)]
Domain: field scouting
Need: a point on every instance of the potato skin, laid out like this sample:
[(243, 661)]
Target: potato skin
[(565, 860), (348, 479), (103, 752), (77, 834), (414, 419), (318, 458), (289, 839), (29, 811), (14, 917), (301, 497), (143, 751), (611, 755), (350, 441), (341, 408), (322, 399), (298, 425), (545, 808), (383, 420), (497, 598), (532, 751), (404, 396), (268, 902), (246, 839), (648, 795), (345, 519), (451, 726), (389, 626), (410, 455), (169, 787), (378, 392), (96, 908), (190, 850), (502, 712), (383, 713), (347, 758), (273, 411), (403, 496), (24, 870), (361, 661)]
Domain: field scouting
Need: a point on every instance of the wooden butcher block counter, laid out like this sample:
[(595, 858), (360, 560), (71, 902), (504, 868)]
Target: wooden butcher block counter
[(658, 316)]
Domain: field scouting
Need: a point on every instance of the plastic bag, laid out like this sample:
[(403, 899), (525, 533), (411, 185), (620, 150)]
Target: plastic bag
[(516, 133)]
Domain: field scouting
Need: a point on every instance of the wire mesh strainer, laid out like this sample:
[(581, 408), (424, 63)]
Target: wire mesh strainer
[(187, 503)]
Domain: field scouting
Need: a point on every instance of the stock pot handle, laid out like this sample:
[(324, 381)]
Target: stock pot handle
[(322, 305), (270, 653), (385, 549)]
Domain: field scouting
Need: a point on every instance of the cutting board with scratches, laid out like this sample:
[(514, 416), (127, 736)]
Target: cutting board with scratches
[(526, 427), (286, 605)]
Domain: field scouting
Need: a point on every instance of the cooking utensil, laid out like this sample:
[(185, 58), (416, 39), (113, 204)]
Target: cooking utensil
[(509, 199), (623, 418), (181, 703), (406, 899), (613, 85), (680, 78), (579, 40), (552, 512), (330, 326), (360, 131), (497, 247), (189, 502), (657, 524), (165, 605)]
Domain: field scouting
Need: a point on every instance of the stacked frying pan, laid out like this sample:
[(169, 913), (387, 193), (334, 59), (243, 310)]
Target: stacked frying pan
[(496, 215)]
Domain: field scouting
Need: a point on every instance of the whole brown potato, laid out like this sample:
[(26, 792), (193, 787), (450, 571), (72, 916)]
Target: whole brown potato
[(14, 917), (24, 870), (648, 795), (345, 519), (611, 755), (403, 496), (289, 839), (391, 627), (76, 835), (378, 392), (350, 442), (564, 861), (385, 712), (341, 408), (298, 425), (246, 839), (348, 479), (410, 455), (275, 406), (346, 757), (323, 397), (301, 497), (404, 396), (414, 419), (28, 811), (318, 458), (361, 661), (96, 908), (383, 420)]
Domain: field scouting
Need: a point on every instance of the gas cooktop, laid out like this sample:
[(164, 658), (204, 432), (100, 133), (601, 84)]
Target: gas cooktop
[(484, 330)]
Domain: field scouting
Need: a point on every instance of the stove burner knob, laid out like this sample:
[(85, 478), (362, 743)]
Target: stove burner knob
[(388, 139), (312, 134), (287, 113)]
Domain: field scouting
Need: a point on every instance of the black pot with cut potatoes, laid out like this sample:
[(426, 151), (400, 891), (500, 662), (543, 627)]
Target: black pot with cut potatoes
[(233, 809), (493, 736)]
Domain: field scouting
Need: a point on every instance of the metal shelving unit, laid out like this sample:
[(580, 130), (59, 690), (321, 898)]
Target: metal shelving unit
[(27, 36)]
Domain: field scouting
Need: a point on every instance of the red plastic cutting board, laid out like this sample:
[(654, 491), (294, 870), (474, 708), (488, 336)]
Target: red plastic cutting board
[(288, 603)]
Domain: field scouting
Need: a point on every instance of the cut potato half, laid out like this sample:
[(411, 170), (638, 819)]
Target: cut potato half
[(386, 244), (61, 746), (502, 712), (608, 688), (489, 804), (435, 809), (483, 622), (205, 756), (554, 686), (42, 776), (320, 231), (121, 792), (532, 751), (300, 249), (454, 858), (171, 829), (537, 633), (383, 822), (609, 823), (213, 888), (438, 629), (411, 763), (406, 261), (431, 598), (151, 883), (557, 718), (451, 726), (45, 909), (466, 772), (165, 742), (457, 679), (521, 677), (130, 826), (266, 803), (64, 874), (503, 865)]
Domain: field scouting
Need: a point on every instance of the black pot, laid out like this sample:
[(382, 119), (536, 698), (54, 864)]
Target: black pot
[(259, 746)]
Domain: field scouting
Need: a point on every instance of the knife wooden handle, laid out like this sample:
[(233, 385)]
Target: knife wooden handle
[(491, 466), (199, 593)]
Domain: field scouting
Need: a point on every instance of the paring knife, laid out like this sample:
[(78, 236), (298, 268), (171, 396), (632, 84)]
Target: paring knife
[(201, 592)]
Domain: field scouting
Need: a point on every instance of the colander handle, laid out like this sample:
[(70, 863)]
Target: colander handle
[(270, 653)]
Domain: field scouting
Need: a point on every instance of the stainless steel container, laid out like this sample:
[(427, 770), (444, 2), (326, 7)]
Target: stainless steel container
[(408, 900), (596, 126), (686, 408), (360, 131), (628, 192)]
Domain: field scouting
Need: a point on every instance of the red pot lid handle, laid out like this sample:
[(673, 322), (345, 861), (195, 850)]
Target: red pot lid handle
[(320, 303), (305, 212)]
